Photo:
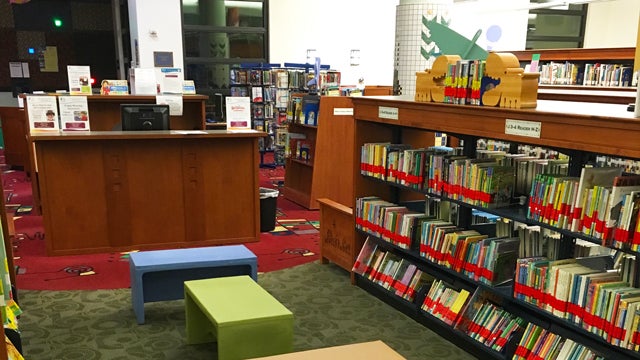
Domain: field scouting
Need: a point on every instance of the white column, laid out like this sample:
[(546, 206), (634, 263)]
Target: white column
[(155, 25), (408, 42)]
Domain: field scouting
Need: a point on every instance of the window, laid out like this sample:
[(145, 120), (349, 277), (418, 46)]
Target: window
[(552, 27), (221, 33)]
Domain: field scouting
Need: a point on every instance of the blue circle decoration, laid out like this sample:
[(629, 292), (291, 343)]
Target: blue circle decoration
[(494, 33)]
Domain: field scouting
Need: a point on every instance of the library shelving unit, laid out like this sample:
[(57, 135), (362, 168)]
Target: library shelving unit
[(580, 130), (6, 257), (256, 82), (581, 56), (298, 178)]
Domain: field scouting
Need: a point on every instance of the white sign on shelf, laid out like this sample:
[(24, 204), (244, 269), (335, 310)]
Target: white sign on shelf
[(385, 112), (522, 128), (342, 111)]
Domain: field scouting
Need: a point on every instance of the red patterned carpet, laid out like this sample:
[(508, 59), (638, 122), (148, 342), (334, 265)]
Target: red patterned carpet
[(294, 241)]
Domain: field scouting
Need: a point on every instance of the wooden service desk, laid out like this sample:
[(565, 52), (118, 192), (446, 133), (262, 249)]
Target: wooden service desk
[(116, 191), (104, 110)]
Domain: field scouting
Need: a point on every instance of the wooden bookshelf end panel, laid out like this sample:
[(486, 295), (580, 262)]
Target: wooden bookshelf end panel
[(338, 241)]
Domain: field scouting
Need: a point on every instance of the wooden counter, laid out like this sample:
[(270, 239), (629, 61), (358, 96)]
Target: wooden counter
[(104, 112), (116, 191)]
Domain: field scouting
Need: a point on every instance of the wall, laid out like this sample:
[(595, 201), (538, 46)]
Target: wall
[(333, 28), (84, 38), (612, 24), (504, 28)]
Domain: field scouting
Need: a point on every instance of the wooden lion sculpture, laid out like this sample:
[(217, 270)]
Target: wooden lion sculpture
[(516, 90), (430, 83)]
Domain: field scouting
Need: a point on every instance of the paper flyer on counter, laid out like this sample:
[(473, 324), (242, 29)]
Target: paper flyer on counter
[(174, 102), (238, 112), (172, 81), (43, 113), (74, 113), (79, 79)]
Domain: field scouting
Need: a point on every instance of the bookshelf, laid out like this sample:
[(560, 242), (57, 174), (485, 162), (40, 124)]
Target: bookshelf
[(594, 129), (7, 232), (258, 83), (298, 178), (333, 181), (580, 57)]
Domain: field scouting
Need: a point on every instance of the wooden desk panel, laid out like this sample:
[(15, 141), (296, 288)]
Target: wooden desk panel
[(14, 131), (115, 191), (104, 111)]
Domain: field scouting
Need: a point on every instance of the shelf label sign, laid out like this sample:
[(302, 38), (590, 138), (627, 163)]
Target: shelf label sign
[(343, 111), (522, 128), (385, 112)]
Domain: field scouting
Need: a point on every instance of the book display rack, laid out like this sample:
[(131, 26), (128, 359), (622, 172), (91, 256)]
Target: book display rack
[(259, 82), (485, 306)]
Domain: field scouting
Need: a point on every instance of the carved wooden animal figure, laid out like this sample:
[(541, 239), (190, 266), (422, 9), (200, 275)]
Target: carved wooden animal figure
[(516, 89), (430, 83)]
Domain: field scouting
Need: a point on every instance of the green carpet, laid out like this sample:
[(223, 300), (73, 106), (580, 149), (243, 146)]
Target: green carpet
[(328, 311)]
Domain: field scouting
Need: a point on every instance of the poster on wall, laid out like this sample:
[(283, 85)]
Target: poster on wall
[(238, 113), (74, 113), (79, 79), (48, 59), (43, 113)]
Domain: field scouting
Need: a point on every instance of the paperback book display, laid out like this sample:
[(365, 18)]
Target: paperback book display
[(540, 343)]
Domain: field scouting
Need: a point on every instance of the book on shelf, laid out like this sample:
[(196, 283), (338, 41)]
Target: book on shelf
[(310, 107), (444, 302), (257, 94), (405, 273), (255, 76), (590, 177), (482, 319), (420, 280), (622, 186), (500, 259), (363, 260)]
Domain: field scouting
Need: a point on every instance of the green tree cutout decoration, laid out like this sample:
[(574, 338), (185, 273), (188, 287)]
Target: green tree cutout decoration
[(440, 39)]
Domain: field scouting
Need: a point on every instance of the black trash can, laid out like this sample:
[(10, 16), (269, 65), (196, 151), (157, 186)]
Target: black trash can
[(268, 204)]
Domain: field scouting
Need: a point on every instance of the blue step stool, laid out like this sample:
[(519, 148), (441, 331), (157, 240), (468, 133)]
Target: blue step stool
[(159, 275)]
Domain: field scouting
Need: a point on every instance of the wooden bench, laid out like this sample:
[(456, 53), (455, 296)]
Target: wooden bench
[(244, 319), (159, 275), (372, 350)]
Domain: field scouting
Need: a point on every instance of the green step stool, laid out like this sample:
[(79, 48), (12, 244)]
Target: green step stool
[(243, 317)]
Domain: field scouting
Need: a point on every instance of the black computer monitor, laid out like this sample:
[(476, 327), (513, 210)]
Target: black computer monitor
[(140, 117)]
